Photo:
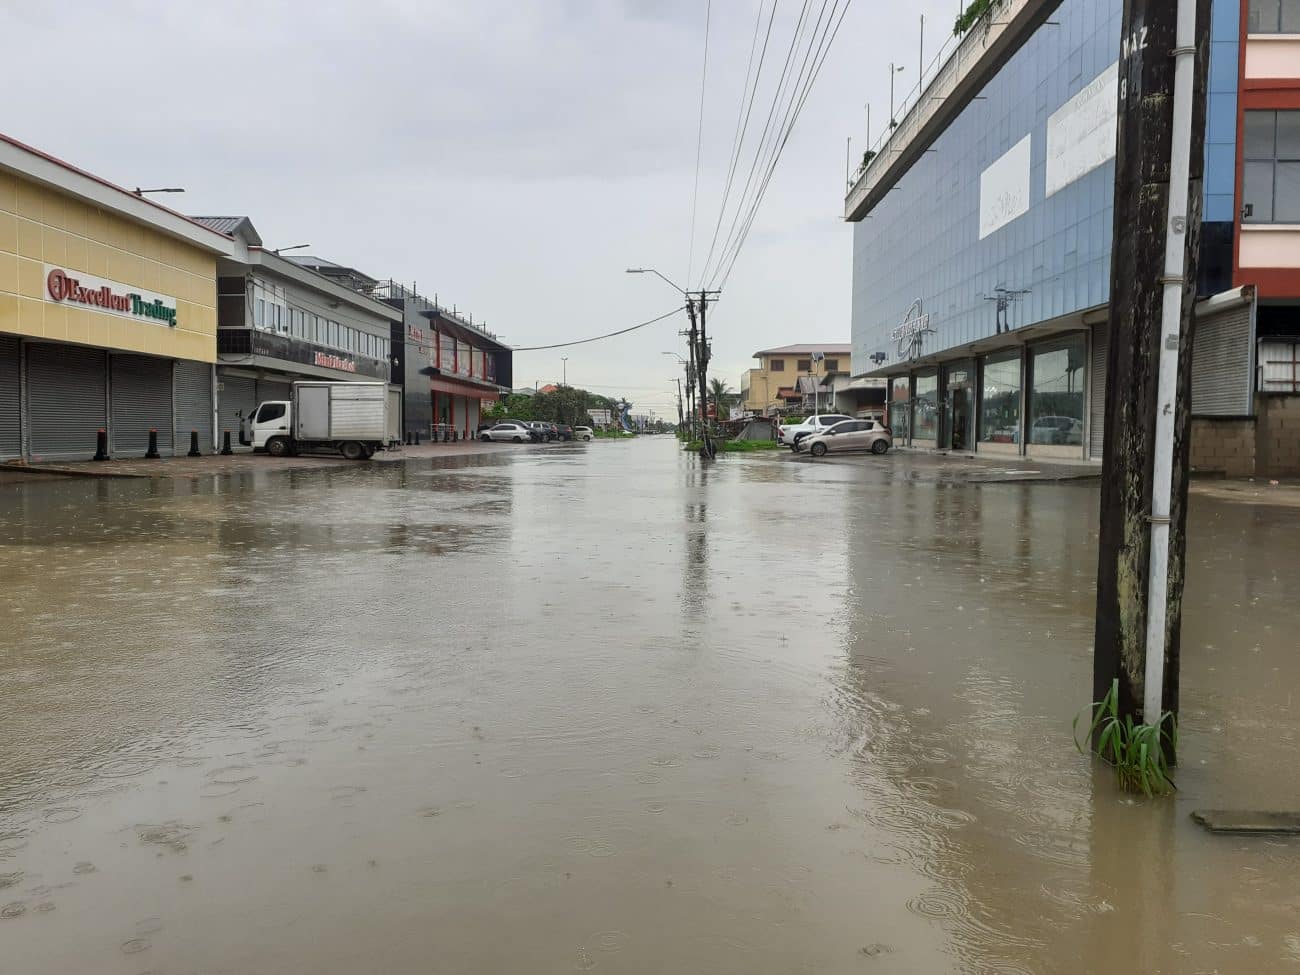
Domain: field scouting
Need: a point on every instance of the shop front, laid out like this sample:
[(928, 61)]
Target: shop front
[(107, 316)]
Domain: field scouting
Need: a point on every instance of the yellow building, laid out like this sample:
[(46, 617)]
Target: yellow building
[(775, 384), (107, 315)]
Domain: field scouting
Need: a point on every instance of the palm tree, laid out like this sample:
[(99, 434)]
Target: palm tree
[(722, 395)]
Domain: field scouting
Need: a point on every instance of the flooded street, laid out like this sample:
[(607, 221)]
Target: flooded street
[(598, 708)]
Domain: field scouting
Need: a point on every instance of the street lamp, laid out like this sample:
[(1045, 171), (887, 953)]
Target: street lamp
[(893, 70), (564, 370), (650, 270), (160, 189)]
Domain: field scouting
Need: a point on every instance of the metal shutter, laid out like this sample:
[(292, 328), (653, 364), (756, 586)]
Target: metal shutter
[(237, 394), (141, 401), (1097, 390), (1221, 380), (66, 390), (192, 383), (11, 440), (272, 389)]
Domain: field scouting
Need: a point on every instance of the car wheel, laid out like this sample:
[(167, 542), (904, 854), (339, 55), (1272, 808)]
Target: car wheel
[(519, 439), (278, 447), (818, 450), (485, 438), (879, 446), (351, 450)]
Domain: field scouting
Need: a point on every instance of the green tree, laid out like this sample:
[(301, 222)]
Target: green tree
[(722, 396)]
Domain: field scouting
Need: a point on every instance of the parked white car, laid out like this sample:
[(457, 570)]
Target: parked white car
[(507, 430), (791, 434), (583, 433), (1059, 430)]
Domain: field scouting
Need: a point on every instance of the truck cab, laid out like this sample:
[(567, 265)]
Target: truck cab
[(272, 418)]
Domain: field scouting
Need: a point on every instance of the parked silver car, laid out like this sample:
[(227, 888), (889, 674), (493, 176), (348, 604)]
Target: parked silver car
[(583, 433), (507, 430), (848, 435)]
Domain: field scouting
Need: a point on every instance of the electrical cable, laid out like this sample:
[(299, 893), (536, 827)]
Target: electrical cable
[(699, 141), (596, 338)]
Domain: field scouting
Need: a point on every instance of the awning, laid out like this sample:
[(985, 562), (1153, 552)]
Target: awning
[(471, 388)]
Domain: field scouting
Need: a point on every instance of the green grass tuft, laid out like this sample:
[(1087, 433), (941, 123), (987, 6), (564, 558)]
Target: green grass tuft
[(1139, 753)]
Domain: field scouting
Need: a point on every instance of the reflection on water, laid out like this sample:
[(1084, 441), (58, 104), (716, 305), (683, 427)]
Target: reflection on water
[(606, 708)]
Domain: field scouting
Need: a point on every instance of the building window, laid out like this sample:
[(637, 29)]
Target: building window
[(832, 365), (925, 406), (1056, 398), (1273, 17), (259, 313), (804, 365), (1000, 399), (777, 365), (1270, 182)]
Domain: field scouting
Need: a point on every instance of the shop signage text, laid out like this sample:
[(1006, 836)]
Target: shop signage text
[(328, 360), (108, 296), (910, 333)]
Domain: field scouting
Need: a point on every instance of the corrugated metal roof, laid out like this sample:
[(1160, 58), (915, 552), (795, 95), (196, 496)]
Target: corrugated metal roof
[(833, 349), (229, 226)]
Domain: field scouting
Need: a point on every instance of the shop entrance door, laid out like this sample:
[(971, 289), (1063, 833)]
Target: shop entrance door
[(959, 408)]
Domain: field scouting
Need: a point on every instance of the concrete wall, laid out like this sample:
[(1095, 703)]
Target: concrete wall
[(1223, 445), (40, 226), (1277, 435), (1266, 445)]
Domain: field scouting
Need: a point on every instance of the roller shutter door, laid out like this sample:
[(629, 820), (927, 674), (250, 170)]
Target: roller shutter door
[(66, 391), (1221, 380), (272, 389), (11, 440), (472, 425), (238, 394), (192, 383), (1097, 390), (141, 399)]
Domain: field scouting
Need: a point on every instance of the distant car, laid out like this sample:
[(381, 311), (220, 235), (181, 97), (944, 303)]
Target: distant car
[(508, 430), (564, 431), (791, 434), (583, 433), (848, 435), (1059, 430), (543, 432)]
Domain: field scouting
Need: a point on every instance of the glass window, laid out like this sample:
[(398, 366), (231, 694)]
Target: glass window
[(1286, 193), (778, 365), (1056, 399), (1257, 192), (1271, 171), (832, 365), (925, 406), (804, 365), (270, 411), (259, 313), (1000, 400), (1273, 17)]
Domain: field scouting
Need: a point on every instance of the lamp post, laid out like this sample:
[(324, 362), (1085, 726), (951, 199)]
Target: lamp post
[(564, 370), (893, 70)]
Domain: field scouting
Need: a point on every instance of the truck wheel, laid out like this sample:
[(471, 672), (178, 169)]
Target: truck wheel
[(370, 452), (351, 450), (278, 447)]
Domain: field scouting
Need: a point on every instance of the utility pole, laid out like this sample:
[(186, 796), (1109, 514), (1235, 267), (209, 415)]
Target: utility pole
[(1158, 172), (681, 419)]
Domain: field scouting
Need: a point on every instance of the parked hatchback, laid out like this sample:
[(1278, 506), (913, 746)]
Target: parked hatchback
[(848, 435), (508, 430), (583, 433)]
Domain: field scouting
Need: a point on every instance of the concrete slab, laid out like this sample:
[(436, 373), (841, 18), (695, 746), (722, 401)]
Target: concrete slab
[(1247, 821)]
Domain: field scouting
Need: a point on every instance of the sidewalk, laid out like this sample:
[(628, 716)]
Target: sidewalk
[(242, 462)]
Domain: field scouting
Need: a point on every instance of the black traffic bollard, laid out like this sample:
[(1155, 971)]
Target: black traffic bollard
[(101, 445), (417, 438), (152, 452), (194, 444), (225, 444)]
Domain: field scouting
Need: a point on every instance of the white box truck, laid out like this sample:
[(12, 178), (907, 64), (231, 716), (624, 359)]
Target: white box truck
[(351, 418)]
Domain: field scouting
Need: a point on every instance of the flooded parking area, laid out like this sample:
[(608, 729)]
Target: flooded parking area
[(602, 708)]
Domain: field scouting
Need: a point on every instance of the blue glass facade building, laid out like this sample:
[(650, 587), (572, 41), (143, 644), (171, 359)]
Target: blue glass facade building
[(1046, 269)]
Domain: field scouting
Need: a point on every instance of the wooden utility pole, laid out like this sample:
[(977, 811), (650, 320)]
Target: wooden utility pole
[(1159, 158), (692, 341)]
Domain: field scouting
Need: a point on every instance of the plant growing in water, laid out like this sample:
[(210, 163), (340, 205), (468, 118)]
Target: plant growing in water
[(1139, 753)]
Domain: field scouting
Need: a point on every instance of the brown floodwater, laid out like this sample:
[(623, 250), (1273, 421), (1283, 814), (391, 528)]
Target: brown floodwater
[(600, 708)]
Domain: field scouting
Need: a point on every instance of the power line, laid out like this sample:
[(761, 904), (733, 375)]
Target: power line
[(699, 140), (819, 60), (742, 119), (596, 338), (768, 152)]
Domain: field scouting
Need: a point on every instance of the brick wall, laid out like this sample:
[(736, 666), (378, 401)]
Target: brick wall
[(1277, 435), (1224, 446)]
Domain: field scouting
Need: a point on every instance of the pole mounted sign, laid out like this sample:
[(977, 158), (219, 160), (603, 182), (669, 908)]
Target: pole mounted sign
[(909, 334), (111, 297)]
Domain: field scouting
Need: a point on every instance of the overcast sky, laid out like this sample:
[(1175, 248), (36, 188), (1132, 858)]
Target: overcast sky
[(512, 156)]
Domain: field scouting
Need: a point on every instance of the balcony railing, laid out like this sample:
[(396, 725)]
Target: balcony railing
[(956, 74)]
